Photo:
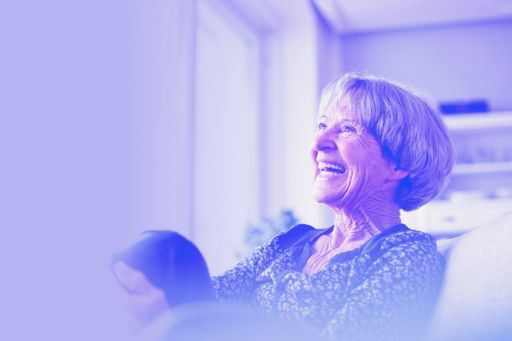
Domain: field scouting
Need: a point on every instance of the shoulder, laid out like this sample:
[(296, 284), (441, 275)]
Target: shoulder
[(297, 234), (407, 238), (410, 247)]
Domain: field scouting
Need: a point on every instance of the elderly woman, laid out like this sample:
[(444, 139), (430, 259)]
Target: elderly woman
[(378, 148)]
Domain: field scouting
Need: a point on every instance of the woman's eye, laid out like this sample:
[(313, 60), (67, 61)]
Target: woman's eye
[(347, 129), (322, 126)]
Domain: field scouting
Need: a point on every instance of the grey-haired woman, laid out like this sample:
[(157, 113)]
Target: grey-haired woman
[(379, 148)]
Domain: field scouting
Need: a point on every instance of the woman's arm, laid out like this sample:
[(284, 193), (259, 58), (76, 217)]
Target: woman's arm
[(395, 299)]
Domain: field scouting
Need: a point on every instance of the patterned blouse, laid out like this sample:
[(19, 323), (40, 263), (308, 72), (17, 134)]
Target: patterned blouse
[(385, 289)]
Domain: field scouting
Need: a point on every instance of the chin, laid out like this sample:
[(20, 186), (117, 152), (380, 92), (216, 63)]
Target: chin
[(326, 197)]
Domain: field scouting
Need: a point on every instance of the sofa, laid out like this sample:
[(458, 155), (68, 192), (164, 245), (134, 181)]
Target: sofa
[(475, 302)]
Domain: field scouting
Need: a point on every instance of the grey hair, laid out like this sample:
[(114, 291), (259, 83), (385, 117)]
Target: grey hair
[(410, 132)]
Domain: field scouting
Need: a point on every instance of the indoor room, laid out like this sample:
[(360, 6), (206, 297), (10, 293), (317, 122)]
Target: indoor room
[(214, 119)]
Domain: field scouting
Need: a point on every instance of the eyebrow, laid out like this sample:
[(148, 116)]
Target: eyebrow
[(340, 121)]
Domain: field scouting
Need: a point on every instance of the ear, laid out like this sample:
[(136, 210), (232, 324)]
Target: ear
[(397, 173)]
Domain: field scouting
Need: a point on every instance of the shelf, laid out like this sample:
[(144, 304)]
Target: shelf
[(478, 121), (454, 217), (482, 168)]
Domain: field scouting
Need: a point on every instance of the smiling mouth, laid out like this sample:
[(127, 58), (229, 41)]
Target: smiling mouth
[(331, 168)]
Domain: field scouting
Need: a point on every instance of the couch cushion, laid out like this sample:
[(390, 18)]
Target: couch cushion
[(476, 299)]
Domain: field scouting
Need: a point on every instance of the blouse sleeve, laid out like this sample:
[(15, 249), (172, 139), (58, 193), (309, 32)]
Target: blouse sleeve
[(238, 284), (395, 298)]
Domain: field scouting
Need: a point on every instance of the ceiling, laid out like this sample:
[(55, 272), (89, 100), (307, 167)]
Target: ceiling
[(347, 16), (351, 16)]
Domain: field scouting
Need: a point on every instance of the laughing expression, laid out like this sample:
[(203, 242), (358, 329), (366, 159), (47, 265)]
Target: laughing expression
[(349, 166)]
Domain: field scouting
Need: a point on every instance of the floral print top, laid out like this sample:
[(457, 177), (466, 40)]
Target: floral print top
[(385, 289)]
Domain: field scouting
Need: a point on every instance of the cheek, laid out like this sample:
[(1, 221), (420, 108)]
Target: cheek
[(313, 152), (367, 164), (366, 152), (355, 153)]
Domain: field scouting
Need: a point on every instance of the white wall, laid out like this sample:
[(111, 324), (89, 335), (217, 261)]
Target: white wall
[(97, 134), (299, 105), (329, 53), (296, 44), (226, 193), (232, 124), (94, 149), (451, 62)]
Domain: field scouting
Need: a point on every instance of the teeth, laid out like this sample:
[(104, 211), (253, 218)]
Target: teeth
[(324, 165)]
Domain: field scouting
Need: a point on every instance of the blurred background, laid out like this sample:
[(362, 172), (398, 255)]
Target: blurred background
[(197, 116)]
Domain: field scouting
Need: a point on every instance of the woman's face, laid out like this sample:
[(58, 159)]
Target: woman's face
[(349, 166), (144, 300)]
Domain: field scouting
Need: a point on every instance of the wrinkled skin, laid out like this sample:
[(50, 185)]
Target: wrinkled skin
[(354, 179)]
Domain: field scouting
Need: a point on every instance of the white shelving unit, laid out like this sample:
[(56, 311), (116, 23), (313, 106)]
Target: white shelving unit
[(478, 121), (480, 187), (482, 168)]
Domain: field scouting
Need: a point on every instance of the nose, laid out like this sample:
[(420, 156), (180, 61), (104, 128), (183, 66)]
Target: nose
[(324, 141)]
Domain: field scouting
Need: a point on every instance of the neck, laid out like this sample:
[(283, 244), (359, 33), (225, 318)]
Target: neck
[(361, 223)]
